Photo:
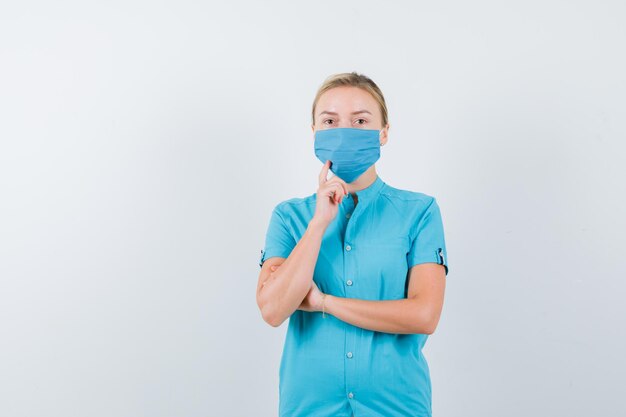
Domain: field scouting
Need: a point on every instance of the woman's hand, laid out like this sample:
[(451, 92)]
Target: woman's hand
[(329, 195), (313, 300)]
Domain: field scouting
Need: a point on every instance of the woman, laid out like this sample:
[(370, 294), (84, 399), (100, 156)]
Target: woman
[(359, 269)]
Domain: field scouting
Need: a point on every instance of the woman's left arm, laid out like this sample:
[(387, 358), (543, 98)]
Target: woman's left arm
[(418, 313)]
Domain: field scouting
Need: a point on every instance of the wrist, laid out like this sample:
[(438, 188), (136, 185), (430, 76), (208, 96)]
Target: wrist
[(321, 305), (326, 304), (317, 225)]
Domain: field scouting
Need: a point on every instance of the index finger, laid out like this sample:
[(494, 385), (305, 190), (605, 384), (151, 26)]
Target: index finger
[(324, 172), (341, 182)]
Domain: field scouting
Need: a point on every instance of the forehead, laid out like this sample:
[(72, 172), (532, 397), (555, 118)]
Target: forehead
[(346, 98)]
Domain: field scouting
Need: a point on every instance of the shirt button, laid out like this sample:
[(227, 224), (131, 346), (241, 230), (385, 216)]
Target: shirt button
[(349, 354), (350, 395), (348, 215), (348, 247), (349, 282)]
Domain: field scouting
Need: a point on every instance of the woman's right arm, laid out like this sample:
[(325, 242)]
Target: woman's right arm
[(281, 292)]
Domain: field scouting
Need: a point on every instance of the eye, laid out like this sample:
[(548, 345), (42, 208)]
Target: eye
[(364, 121), (327, 120)]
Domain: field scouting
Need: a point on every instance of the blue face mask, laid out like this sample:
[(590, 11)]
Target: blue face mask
[(351, 150)]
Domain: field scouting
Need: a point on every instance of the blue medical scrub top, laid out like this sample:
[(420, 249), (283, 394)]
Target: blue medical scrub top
[(331, 368)]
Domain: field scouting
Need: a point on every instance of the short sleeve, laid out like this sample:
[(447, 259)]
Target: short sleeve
[(278, 239), (428, 243)]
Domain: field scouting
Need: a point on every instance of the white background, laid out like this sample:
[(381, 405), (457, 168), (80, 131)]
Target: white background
[(144, 144)]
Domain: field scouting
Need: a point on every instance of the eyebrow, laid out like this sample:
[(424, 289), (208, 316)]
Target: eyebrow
[(335, 114)]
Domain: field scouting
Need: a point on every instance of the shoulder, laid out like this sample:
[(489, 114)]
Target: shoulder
[(296, 204), (411, 198), (415, 206), (418, 208)]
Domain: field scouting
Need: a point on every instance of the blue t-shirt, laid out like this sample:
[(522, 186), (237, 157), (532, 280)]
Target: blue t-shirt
[(333, 368)]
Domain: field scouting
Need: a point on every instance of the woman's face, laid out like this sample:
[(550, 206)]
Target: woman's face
[(348, 106)]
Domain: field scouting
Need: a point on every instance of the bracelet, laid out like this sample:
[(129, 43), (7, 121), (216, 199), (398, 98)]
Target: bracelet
[(323, 305)]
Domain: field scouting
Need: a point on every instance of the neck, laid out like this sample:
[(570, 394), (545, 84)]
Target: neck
[(365, 180)]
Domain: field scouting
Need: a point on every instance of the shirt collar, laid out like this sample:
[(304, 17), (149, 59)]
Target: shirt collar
[(371, 191)]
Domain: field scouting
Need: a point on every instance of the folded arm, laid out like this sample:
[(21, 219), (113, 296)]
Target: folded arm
[(279, 293), (418, 313)]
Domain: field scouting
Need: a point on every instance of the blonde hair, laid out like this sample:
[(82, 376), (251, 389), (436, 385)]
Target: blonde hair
[(352, 79)]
